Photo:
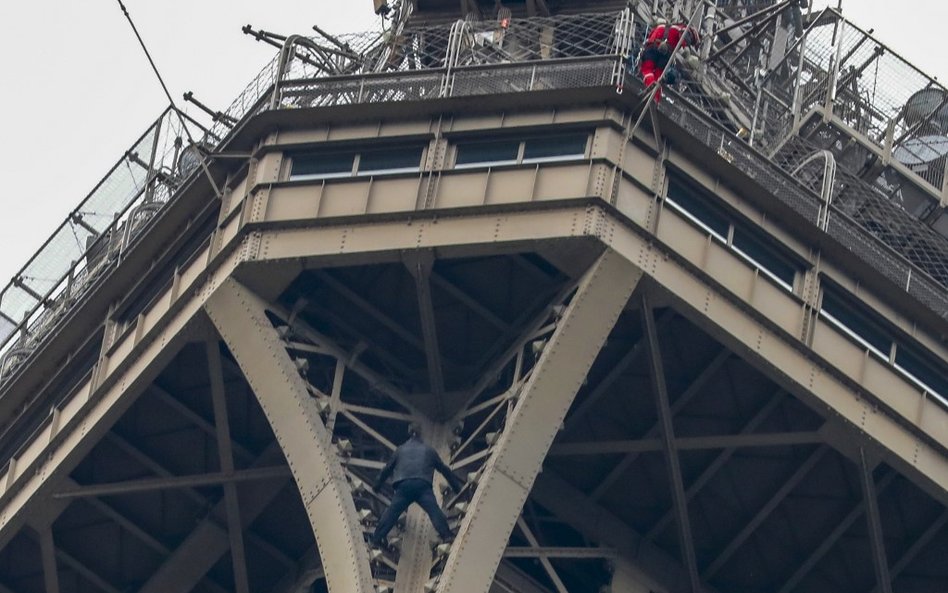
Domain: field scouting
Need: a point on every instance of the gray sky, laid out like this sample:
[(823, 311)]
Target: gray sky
[(79, 91)]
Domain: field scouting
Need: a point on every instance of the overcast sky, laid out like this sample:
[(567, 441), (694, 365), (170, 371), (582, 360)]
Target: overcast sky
[(78, 91)]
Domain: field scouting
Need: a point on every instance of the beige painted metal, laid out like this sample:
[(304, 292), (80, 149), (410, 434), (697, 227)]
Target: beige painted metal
[(226, 458), (509, 473), (643, 561), (748, 312), (507, 230), (239, 316), (723, 293), (208, 541)]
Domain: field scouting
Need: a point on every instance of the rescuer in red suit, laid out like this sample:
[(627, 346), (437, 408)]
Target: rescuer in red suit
[(657, 51)]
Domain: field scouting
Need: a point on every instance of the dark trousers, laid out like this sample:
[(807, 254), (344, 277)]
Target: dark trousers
[(407, 492)]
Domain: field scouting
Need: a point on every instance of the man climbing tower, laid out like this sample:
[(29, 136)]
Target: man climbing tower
[(661, 43), (412, 468)]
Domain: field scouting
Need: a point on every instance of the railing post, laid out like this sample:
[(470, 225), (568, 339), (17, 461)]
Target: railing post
[(887, 144), (838, 36), (286, 54), (826, 191), (944, 186), (622, 47), (452, 54)]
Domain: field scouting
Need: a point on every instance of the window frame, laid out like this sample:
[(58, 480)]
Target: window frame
[(719, 216), (522, 142), (899, 344), (356, 161)]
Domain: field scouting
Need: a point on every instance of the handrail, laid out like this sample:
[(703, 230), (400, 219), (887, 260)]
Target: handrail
[(826, 191), (438, 52)]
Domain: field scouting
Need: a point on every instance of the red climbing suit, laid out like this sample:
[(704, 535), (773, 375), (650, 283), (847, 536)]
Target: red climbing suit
[(662, 41)]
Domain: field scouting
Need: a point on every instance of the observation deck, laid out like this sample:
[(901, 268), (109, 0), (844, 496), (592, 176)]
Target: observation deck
[(716, 323)]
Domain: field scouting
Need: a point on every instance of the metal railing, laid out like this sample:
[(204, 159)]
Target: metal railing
[(467, 58), (89, 241)]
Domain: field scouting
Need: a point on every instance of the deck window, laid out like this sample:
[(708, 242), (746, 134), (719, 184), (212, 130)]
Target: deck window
[(751, 245), (536, 149), (322, 165), (925, 371), (764, 257), (555, 148), (854, 320), (406, 159), (328, 165), (491, 152), (695, 207)]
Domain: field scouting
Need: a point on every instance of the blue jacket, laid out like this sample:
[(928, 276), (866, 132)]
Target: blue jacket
[(415, 459)]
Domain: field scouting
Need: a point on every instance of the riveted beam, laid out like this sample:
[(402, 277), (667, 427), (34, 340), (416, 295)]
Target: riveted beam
[(226, 460), (534, 422), (356, 299), (730, 442), (713, 287), (521, 331), (544, 559), (469, 301), (918, 544), (208, 541), (722, 458), (207, 427), (880, 562), (510, 579), (420, 267), (680, 402), (653, 567), (304, 573), (738, 540), (85, 572), (187, 482), (48, 553), (672, 462), (329, 346), (602, 388), (239, 316), (557, 552), (830, 540)]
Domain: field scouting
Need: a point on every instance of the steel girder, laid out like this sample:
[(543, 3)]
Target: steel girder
[(509, 473), (739, 327), (239, 316), (747, 314)]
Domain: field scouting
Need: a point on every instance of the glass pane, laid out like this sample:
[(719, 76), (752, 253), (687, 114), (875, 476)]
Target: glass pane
[(765, 256), (924, 369), (321, 165), (572, 145), (848, 313), (492, 151), (391, 159), (698, 207)]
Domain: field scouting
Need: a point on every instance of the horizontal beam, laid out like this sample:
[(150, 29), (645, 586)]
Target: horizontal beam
[(558, 552), (715, 288), (173, 482), (778, 439)]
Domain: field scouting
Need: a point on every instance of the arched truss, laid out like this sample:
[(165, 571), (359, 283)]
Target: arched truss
[(534, 421), (240, 318)]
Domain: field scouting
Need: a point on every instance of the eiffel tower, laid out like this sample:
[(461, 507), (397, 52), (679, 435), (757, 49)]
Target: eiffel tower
[(692, 345)]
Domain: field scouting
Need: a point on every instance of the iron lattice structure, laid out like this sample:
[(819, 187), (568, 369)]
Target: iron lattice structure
[(887, 184), (691, 346)]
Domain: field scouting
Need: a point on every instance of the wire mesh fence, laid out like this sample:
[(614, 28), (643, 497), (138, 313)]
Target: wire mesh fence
[(90, 240), (829, 64)]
